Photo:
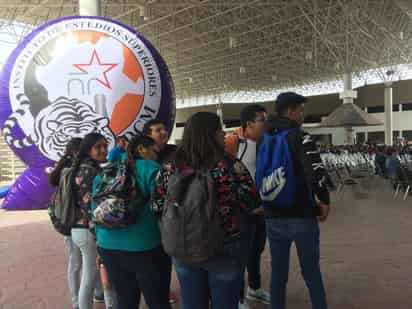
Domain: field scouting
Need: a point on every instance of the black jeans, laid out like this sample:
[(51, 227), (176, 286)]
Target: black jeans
[(147, 271), (169, 278), (257, 247)]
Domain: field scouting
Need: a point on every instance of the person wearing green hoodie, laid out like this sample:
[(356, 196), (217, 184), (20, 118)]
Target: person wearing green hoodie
[(133, 256)]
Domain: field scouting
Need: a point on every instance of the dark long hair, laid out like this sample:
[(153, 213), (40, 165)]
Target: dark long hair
[(85, 146), (132, 154), (199, 148), (72, 148)]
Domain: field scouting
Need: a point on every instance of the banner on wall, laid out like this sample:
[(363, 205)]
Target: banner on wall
[(70, 77)]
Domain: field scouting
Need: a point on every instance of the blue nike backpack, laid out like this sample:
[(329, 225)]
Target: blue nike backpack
[(275, 175)]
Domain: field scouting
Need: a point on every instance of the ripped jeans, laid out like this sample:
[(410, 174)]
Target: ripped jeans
[(218, 280)]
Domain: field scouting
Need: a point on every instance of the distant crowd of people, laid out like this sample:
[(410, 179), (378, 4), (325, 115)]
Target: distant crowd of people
[(206, 206)]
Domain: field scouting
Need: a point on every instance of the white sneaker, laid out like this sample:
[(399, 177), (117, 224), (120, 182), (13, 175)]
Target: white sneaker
[(259, 295), (244, 306)]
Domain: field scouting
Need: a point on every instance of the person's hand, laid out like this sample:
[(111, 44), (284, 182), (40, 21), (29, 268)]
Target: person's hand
[(258, 211), (325, 208)]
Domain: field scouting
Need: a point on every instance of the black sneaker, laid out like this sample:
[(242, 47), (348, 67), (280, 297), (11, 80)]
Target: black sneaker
[(98, 299)]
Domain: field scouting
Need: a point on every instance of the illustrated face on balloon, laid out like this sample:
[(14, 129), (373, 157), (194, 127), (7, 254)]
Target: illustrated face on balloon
[(78, 75)]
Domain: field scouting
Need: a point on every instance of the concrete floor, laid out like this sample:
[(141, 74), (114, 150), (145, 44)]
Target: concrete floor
[(366, 257)]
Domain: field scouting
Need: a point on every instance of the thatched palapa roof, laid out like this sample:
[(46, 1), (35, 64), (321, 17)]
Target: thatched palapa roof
[(349, 115)]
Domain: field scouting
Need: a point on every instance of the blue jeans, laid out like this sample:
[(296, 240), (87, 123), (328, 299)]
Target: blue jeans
[(73, 274), (74, 267), (217, 280), (84, 240), (304, 232)]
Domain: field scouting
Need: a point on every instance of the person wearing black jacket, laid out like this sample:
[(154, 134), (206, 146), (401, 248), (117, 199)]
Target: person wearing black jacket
[(156, 130), (299, 223)]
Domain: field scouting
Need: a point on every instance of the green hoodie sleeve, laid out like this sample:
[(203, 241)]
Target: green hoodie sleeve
[(145, 234), (146, 172)]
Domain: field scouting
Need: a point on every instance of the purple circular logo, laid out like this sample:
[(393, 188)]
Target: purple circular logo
[(70, 77), (78, 75)]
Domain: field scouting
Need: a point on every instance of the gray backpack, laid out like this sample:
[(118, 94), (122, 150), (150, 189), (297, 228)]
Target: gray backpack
[(191, 227), (63, 210), (62, 206)]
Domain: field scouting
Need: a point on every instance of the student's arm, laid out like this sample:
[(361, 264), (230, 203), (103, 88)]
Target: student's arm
[(150, 173), (112, 155), (245, 187), (160, 189), (96, 182), (84, 182), (314, 165)]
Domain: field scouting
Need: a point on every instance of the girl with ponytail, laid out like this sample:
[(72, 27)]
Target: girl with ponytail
[(72, 149), (133, 256), (73, 253)]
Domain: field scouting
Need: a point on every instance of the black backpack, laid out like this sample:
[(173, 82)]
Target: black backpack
[(62, 206), (190, 226)]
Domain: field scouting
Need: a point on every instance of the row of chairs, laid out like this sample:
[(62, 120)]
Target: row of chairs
[(406, 160), (403, 181), (348, 169)]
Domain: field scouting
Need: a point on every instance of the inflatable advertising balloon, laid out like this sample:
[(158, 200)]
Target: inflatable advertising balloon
[(71, 77)]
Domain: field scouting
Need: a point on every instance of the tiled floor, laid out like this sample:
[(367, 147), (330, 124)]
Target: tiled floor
[(366, 249)]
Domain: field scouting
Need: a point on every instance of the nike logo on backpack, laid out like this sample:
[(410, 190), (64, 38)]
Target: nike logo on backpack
[(273, 184)]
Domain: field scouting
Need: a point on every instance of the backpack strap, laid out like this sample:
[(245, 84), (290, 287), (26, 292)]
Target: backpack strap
[(242, 141), (232, 144), (284, 133)]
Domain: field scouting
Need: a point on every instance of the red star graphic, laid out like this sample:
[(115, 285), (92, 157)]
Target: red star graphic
[(96, 68)]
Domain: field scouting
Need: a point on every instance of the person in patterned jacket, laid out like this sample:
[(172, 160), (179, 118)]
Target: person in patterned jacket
[(202, 148), (92, 152), (244, 144)]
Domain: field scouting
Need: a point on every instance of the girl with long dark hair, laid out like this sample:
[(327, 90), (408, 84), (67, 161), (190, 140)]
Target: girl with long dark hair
[(92, 152), (133, 255), (74, 264), (71, 151), (202, 149)]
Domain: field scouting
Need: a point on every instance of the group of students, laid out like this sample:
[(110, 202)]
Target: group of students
[(135, 257), (87, 243)]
